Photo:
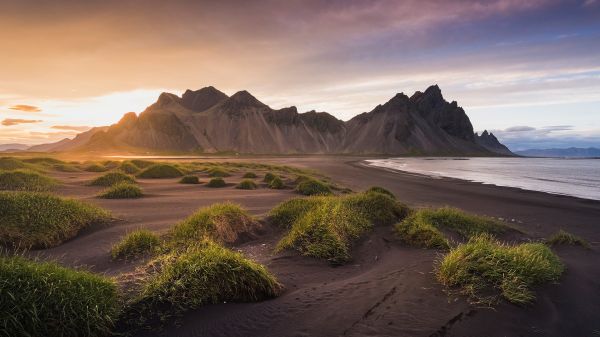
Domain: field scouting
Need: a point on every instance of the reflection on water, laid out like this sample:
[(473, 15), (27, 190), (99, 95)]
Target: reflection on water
[(575, 177)]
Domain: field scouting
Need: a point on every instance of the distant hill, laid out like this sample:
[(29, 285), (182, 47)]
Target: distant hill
[(572, 152), (209, 121), (13, 147)]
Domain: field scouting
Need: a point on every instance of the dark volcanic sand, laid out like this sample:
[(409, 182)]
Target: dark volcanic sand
[(389, 289)]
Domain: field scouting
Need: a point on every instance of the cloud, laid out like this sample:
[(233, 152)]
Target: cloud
[(519, 138), (71, 127), (25, 108), (519, 129), (17, 121)]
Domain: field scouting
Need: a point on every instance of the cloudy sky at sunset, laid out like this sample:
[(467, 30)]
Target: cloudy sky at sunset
[(529, 70)]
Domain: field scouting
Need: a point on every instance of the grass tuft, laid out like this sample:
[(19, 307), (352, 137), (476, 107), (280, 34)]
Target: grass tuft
[(246, 184), (249, 175), (142, 164), (158, 171), (135, 244), (483, 263), (123, 190), (268, 177), (276, 183), (416, 231), (38, 220), (112, 178), (381, 190), (129, 167), (216, 182), (45, 299), (565, 238), (218, 172), (95, 168), (313, 187), (9, 163), (189, 180), (25, 180)]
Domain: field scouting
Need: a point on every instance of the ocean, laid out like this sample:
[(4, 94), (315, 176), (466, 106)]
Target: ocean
[(573, 177)]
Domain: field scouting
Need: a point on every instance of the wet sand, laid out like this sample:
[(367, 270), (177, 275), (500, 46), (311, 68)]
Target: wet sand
[(389, 289)]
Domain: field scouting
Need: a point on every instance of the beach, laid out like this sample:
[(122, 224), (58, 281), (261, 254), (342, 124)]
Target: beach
[(389, 289)]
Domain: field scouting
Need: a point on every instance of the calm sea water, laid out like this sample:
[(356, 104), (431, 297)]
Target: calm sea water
[(575, 177)]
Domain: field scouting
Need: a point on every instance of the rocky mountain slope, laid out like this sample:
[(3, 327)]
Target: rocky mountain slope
[(207, 120)]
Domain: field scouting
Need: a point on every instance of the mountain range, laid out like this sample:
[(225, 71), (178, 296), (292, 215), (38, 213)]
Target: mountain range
[(209, 121), (572, 152)]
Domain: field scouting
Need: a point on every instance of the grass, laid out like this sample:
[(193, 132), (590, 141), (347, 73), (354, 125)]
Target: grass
[(223, 222), (216, 182), (43, 160), (122, 190), (158, 171), (39, 220), (484, 264), (249, 175), (45, 299), (129, 167), (381, 190), (142, 164), (205, 273), (25, 180), (268, 177), (135, 244), (112, 178), (313, 187), (276, 183), (565, 238), (246, 184), (9, 163), (66, 168), (218, 172), (189, 180), (95, 168), (416, 231), (326, 227)]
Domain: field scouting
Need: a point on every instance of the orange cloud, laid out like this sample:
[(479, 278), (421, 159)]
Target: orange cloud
[(71, 127), (16, 121), (25, 107)]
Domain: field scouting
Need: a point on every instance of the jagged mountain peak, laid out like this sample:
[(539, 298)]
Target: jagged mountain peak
[(202, 99), (246, 98)]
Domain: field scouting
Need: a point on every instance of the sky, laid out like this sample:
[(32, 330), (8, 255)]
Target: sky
[(529, 71)]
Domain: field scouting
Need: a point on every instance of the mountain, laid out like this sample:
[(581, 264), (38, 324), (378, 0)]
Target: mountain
[(13, 147), (209, 121), (68, 144), (572, 152)]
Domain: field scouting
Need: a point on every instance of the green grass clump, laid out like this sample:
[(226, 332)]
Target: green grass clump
[(565, 238), (129, 167), (43, 160), (9, 163), (95, 168), (223, 222), (66, 167), (205, 273), (112, 178), (111, 164), (288, 212), (483, 263), (38, 220), (158, 171), (416, 231), (218, 172), (276, 183), (216, 182), (313, 187), (249, 175), (45, 299), (122, 190), (189, 180), (140, 163), (268, 177), (378, 208), (381, 190), (25, 180), (135, 244), (246, 184)]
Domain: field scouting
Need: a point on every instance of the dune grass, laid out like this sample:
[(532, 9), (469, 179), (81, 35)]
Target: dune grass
[(223, 222), (95, 168), (39, 220), (49, 161), (249, 175), (66, 167), (135, 244), (112, 178), (269, 176), (313, 187), (142, 164), (326, 226), (189, 180), (9, 163), (483, 264), (129, 167), (416, 231), (25, 180), (216, 182), (122, 190), (158, 171), (45, 299), (565, 238), (217, 172), (381, 190), (276, 183), (246, 184)]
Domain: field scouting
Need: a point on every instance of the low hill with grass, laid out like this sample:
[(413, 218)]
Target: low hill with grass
[(25, 180), (158, 171)]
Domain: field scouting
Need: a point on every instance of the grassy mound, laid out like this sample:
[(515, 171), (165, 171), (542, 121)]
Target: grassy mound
[(276, 183), (123, 190), (268, 177), (158, 171), (25, 180), (45, 299), (218, 172), (66, 168), (484, 263), (142, 163), (378, 208), (189, 180), (112, 178), (129, 167), (216, 182), (205, 273), (415, 231), (135, 244), (313, 187), (43, 160), (246, 184), (38, 220), (288, 212), (225, 222), (249, 175), (381, 190), (9, 163), (95, 168), (566, 238), (111, 164)]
